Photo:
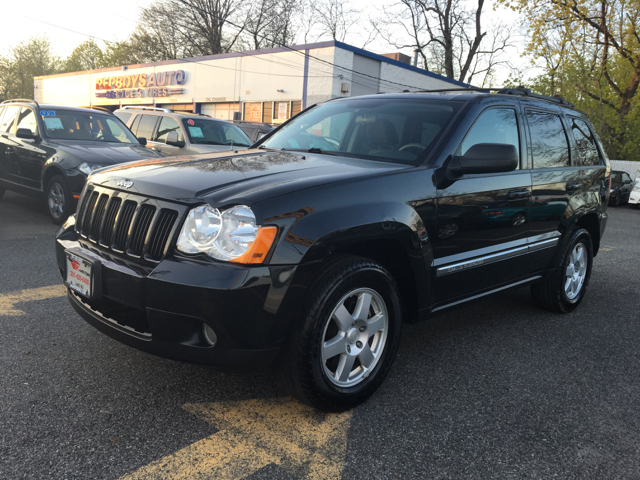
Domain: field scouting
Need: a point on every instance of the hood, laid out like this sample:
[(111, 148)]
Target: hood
[(105, 154), (195, 148), (249, 176)]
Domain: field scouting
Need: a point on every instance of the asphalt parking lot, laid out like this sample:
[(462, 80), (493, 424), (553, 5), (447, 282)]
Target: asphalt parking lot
[(498, 389)]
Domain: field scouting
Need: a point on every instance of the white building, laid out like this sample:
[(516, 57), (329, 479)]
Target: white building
[(263, 85)]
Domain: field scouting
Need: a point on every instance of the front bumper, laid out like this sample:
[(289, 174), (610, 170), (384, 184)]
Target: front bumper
[(163, 309), (634, 198)]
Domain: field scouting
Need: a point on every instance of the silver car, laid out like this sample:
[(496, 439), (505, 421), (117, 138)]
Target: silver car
[(173, 134)]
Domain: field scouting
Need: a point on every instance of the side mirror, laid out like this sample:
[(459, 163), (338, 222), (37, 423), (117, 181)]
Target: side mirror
[(142, 140), (26, 133), (486, 158), (172, 139)]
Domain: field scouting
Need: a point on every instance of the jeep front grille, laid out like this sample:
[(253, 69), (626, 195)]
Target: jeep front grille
[(127, 224)]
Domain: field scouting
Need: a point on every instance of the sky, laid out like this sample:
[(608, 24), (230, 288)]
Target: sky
[(67, 23)]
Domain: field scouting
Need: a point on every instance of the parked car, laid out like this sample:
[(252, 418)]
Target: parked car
[(621, 187), (634, 196), (48, 150), (254, 130), (177, 133), (309, 251)]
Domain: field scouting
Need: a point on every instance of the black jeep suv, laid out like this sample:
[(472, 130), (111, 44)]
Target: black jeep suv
[(357, 215), (50, 150)]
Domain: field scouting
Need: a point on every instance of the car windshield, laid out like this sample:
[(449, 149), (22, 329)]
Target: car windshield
[(203, 131), (616, 178), (78, 125), (397, 130)]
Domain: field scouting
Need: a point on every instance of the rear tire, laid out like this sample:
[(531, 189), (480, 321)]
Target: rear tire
[(58, 199), (565, 288), (343, 348)]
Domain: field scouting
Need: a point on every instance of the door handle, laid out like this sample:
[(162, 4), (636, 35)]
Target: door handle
[(518, 194), (570, 187), (155, 149)]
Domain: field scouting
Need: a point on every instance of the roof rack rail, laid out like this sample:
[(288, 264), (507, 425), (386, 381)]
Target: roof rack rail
[(156, 109), (192, 113), (21, 100), (522, 91), (102, 109)]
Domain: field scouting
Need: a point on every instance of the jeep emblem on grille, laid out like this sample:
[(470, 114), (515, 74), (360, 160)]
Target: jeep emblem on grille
[(125, 183)]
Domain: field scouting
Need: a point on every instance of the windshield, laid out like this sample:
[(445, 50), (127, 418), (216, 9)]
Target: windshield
[(78, 125), (389, 129), (203, 131), (616, 178)]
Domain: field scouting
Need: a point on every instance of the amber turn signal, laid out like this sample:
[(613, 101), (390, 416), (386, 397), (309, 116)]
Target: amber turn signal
[(260, 247)]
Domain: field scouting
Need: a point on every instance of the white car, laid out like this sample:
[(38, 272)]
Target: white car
[(634, 197)]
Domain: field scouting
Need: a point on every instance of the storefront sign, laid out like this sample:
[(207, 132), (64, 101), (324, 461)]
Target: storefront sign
[(142, 85), (255, 112), (282, 111)]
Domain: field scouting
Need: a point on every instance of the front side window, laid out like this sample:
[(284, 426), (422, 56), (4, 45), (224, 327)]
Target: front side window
[(168, 125), (203, 131), (27, 119), (548, 140), (586, 143), (616, 179), (9, 117), (78, 125), (496, 125), (398, 130)]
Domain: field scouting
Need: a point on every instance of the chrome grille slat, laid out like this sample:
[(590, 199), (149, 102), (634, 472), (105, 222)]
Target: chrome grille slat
[(140, 230), (127, 224), (110, 221), (123, 224), (160, 236), (88, 214), (82, 208), (98, 215)]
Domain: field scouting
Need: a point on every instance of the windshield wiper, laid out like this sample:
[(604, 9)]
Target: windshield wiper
[(320, 151)]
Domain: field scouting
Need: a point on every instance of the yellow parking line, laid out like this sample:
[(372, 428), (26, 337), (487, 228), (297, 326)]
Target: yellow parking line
[(8, 300), (253, 434)]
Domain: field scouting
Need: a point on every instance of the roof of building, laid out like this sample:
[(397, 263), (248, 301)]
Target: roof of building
[(265, 51)]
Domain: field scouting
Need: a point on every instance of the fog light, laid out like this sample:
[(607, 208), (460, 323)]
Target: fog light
[(209, 334)]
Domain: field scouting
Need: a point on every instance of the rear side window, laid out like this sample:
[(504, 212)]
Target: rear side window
[(27, 119), (134, 125), (496, 125), (168, 125), (586, 143), (124, 116), (10, 114), (146, 126), (548, 140)]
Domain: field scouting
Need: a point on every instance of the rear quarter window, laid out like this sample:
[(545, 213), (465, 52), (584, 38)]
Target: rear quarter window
[(588, 153)]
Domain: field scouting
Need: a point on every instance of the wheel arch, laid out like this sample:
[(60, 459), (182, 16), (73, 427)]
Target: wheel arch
[(589, 221), (49, 172)]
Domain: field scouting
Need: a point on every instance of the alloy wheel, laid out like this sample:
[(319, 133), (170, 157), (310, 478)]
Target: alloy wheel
[(55, 200), (354, 337), (576, 271)]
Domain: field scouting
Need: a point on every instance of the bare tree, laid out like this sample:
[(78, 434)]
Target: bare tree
[(337, 20), (270, 23), (449, 37)]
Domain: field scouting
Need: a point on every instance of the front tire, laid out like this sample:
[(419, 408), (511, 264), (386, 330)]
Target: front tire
[(58, 199), (342, 350), (566, 287)]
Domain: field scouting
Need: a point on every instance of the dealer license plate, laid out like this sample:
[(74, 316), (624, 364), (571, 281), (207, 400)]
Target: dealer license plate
[(79, 273)]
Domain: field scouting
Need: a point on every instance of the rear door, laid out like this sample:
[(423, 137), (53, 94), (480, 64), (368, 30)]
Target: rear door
[(9, 169), (482, 219), (29, 156), (557, 180)]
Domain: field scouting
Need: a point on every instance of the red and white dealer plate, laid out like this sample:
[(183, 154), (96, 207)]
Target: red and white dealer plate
[(79, 274)]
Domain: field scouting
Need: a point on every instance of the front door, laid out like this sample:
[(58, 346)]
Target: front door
[(482, 220)]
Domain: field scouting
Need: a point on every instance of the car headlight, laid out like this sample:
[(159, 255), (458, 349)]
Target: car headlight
[(231, 235), (612, 190), (636, 188), (87, 168)]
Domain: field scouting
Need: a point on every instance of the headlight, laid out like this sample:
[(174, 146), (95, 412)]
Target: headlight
[(232, 235), (612, 190), (636, 188), (87, 168)]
